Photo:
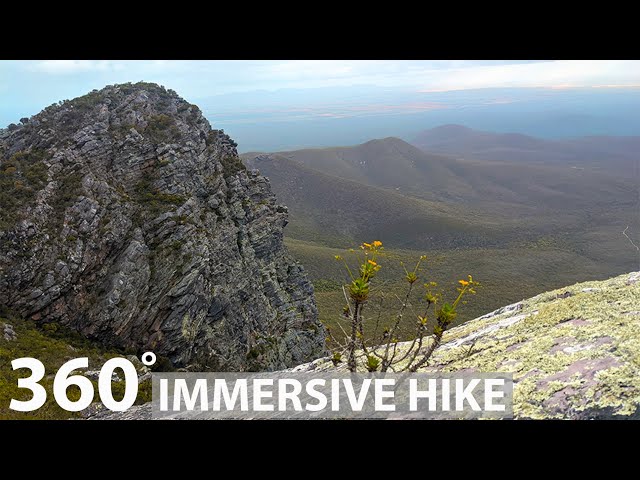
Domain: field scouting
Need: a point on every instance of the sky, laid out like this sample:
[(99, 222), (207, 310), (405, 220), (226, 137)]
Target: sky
[(245, 96)]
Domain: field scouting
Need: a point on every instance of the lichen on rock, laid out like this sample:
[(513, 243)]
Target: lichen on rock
[(574, 352), (134, 222)]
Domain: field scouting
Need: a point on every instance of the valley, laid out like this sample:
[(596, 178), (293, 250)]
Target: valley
[(520, 214)]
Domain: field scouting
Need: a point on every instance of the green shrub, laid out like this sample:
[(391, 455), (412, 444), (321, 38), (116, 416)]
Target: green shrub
[(118, 390), (162, 128), (385, 352), (36, 174), (372, 363), (21, 177), (231, 165), (336, 358), (155, 201), (212, 137), (144, 392), (86, 102), (176, 246)]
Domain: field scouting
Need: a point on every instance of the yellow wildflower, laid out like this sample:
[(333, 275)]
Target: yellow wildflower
[(368, 245), (372, 262), (377, 243), (464, 283)]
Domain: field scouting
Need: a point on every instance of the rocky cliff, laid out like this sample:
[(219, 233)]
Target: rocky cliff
[(126, 217), (574, 352)]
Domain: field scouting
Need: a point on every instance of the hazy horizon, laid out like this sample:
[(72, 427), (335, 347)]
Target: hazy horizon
[(287, 105)]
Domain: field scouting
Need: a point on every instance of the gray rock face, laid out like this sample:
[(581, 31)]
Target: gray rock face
[(8, 333), (125, 216)]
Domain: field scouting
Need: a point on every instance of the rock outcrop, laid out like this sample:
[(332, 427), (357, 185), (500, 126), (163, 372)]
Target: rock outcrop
[(8, 332), (574, 352), (126, 217)]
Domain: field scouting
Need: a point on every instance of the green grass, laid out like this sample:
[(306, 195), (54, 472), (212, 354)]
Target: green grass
[(508, 275), (52, 345)]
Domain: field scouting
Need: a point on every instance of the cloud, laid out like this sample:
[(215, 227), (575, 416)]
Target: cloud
[(204, 77), (554, 74), (254, 81), (440, 75), (630, 85), (68, 67)]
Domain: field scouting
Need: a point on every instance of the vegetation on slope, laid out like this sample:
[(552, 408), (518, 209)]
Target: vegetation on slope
[(522, 227), (508, 274), (337, 211), (53, 345), (573, 351), (21, 177), (477, 204)]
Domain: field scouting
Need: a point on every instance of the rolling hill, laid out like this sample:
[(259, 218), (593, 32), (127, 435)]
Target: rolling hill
[(388, 163), (505, 171), (614, 155), (524, 215), (393, 189), (336, 211)]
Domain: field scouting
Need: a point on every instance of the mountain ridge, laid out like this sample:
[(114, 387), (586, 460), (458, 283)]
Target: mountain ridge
[(621, 151), (388, 162), (520, 228), (472, 190), (127, 218)]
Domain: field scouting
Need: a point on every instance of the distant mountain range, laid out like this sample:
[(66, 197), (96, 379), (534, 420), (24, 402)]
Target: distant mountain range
[(337, 210), (606, 153), (479, 188), (521, 214)]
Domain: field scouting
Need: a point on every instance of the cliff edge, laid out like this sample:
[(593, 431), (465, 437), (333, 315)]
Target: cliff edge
[(125, 216)]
